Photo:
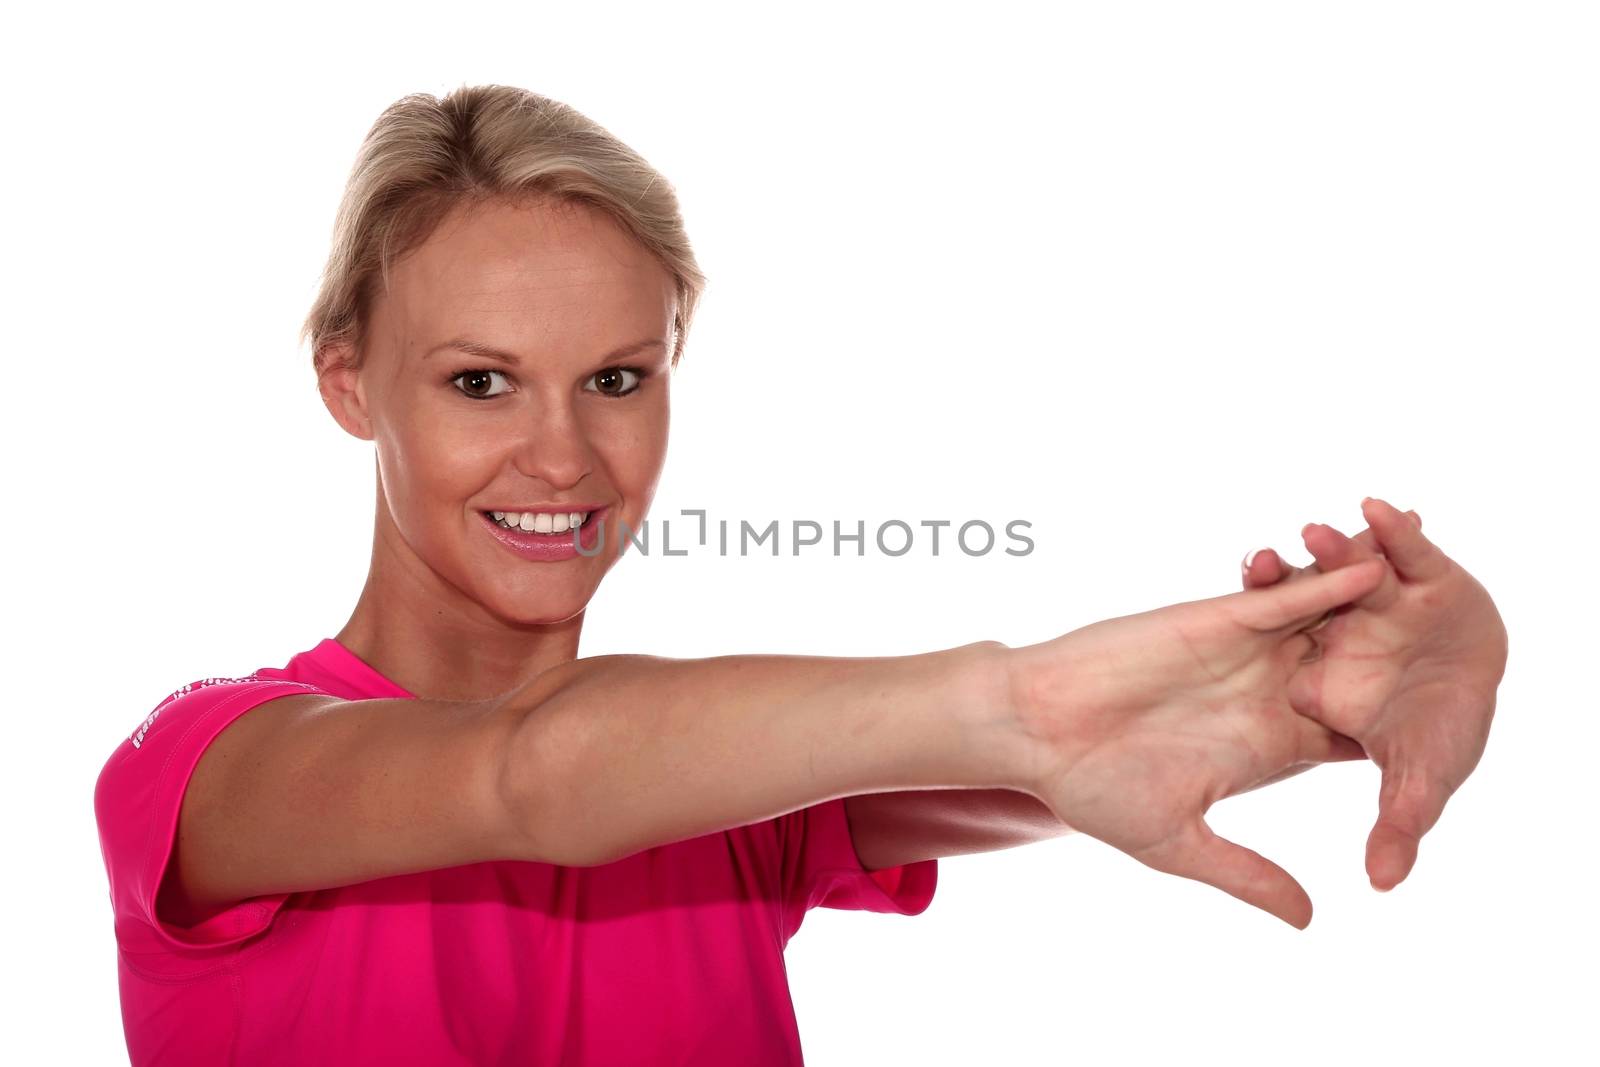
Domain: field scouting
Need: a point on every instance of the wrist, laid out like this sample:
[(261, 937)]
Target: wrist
[(1002, 753), (1056, 693)]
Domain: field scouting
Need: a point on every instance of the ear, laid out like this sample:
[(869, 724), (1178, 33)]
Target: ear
[(339, 382)]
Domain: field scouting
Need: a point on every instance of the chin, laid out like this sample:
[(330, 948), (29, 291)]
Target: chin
[(539, 609)]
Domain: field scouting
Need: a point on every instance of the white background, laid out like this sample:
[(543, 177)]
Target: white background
[(1166, 280)]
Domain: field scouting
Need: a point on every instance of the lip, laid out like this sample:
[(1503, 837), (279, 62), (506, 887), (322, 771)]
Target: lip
[(550, 547), (554, 509)]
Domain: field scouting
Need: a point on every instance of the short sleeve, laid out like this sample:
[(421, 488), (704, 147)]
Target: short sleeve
[(821, 869), (137, 798)]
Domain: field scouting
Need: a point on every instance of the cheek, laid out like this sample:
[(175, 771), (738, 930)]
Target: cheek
[(633, 449), (429, 458)]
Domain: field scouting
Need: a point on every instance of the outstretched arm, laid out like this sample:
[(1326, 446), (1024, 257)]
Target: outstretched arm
[(1129, 729)]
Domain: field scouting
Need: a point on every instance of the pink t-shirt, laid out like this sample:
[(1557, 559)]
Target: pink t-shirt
[(672, 955)]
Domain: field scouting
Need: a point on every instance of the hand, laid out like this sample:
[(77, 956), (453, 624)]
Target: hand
[(1409, 670), (1140, 723)]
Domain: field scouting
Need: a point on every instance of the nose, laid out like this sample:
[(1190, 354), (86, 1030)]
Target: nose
[(553, 447)]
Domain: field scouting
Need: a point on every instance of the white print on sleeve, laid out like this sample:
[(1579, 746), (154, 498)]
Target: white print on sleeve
[(137, 736)]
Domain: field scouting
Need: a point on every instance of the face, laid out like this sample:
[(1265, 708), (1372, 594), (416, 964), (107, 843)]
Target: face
[(574, 419)]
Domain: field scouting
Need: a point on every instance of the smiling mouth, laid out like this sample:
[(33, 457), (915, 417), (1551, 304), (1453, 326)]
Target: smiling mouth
[(539, 522)]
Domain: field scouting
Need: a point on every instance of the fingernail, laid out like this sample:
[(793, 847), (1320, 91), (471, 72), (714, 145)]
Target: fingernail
[(1248, 559)]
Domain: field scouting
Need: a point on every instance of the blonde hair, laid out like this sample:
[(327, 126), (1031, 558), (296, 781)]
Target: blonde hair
[(426, 155)]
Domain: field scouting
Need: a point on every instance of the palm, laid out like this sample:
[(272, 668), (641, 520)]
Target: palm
[(1366, 655), (1409, 671), (1145, 721), (1196, 754)]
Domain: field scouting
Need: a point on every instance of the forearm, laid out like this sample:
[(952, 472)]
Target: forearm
[(617, 754), (892, 829)]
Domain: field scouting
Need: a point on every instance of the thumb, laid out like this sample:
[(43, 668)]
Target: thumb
[(1198, 853), (1409, 804), (1293, 604)]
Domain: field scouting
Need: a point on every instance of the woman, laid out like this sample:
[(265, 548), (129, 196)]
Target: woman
[(441, 837)]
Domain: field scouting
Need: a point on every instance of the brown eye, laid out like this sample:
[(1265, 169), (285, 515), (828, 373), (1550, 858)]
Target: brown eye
[(475, 383), (614, 381)]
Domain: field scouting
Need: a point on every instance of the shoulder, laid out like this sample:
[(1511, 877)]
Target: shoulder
[(139, 790), (213, 701)]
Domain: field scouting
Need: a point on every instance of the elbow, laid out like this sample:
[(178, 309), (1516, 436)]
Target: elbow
[(539, 803)]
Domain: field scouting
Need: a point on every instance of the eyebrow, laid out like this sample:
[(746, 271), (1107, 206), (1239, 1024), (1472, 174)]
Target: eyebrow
[(500, 355)]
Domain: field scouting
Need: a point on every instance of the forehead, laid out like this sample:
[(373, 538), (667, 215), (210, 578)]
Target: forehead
[(520, 275)]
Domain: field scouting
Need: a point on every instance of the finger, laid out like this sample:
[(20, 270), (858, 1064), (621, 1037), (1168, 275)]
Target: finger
[(1369, 537), (1264, 567), (1199, 854), (1409, 804), (1260, 567), (1415, 558), (1332, 550), (1290, 605)]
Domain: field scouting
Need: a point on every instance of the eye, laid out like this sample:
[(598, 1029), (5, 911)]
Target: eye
[(477, 378), (614, 381)]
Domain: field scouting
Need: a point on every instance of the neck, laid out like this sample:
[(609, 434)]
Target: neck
[(424, 635)]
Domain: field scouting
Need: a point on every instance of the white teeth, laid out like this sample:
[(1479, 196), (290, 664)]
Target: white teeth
[(540, 522)]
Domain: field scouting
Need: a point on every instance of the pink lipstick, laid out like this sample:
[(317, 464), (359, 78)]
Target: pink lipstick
[(549, 547)]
